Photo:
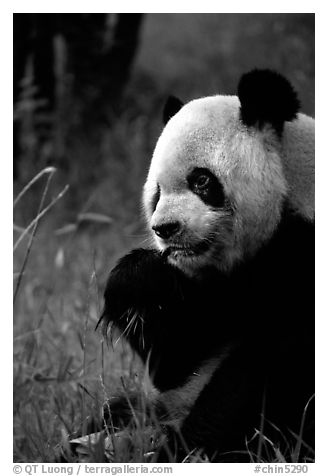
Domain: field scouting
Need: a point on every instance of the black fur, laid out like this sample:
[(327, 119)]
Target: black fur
[(211, 192), (267, 97), (263, 310), (172, 106)]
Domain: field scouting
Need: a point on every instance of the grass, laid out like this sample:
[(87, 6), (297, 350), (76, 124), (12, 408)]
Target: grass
[(63, 371)]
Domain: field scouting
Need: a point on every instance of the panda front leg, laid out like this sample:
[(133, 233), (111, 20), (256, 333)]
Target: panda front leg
[(150, 302)]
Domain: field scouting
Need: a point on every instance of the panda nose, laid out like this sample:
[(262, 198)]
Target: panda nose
[(167, 230)]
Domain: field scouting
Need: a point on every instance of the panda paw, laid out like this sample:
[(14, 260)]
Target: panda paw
[(140, 284)]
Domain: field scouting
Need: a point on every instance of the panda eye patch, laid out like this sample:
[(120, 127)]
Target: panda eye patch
[(205, 184), (156, 198)]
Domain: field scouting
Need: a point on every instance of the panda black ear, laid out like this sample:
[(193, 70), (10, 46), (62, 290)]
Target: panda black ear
[(172, 106), (267, 97)]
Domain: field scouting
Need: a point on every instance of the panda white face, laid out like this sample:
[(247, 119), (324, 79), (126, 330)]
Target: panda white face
[(215, 187)]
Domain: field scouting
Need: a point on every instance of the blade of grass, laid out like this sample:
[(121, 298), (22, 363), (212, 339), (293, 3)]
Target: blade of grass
[(260, 441), (34, 228), (300, 435), (102, 356), (40, 215), (47, 170)]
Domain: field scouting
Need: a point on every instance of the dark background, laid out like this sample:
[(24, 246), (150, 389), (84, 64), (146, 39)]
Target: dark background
[(89, 91)]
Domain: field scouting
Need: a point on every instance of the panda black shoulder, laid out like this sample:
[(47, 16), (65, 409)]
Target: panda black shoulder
[(289, 255), (267, 97)]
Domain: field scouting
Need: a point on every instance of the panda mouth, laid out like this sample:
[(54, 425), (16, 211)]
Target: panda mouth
[(179, 251)]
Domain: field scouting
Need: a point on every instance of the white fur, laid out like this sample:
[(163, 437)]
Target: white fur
[(257, 170), (179, 401)]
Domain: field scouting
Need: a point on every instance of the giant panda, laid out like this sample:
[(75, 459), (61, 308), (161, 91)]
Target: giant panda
[(221, 307)]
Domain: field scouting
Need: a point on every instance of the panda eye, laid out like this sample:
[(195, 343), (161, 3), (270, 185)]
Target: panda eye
[(202, 182), (206, 185)]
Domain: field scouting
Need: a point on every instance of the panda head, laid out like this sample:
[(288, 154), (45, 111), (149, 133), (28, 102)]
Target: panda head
[(215, 188)]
